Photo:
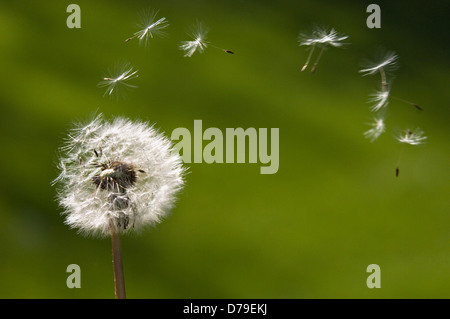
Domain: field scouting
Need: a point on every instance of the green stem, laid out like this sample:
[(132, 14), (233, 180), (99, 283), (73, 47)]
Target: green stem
[(119, 280)]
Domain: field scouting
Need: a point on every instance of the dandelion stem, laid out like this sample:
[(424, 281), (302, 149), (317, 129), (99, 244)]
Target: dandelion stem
[(313, 69), (309, 58), (119, 280)]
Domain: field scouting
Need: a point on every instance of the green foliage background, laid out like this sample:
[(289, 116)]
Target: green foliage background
[(308, 231)]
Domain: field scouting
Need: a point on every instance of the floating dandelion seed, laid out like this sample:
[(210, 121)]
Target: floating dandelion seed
[(378, 127), (116, 177), (381, 99), (199, 42), (321, 38), (117, 79), (149, 27), (388, 63), (415, 137)]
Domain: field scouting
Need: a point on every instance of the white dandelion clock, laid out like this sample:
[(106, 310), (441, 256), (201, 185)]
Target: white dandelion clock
[(322, 38), (198, 42), (121, 172), (117, 177), (378, 128), (150, 27), (116, 81)]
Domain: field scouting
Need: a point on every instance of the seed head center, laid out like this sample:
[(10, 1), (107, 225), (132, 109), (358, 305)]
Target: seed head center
[(115, 176)]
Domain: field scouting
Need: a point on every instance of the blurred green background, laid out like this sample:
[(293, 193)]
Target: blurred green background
[(308, 231)]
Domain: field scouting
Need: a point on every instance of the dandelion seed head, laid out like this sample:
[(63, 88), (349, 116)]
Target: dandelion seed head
[(415, 137), (198, 43), (120, 174), (378, 127), (116, 81)]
